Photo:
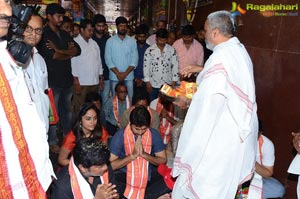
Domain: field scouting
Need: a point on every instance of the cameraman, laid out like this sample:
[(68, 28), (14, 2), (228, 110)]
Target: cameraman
[(25, 166)]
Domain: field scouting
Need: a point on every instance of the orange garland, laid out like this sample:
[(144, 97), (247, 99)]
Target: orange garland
[(137, 170), (166, 128), (32, 183), (116, 108)]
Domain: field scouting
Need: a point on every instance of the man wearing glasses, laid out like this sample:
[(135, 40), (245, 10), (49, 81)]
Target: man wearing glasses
[(115, 106), (35, 71)]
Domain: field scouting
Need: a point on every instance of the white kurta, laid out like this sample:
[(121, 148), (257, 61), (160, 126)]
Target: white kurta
[(36, 77), (294, 168), (33, 129), (87, 66), (217, 146)]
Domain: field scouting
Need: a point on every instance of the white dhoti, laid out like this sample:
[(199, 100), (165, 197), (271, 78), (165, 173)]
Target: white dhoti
[(217, 146), (294, 168), (30, 135)]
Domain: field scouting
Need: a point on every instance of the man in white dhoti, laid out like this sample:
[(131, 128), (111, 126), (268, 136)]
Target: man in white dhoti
[(217, 146), (25, 166)]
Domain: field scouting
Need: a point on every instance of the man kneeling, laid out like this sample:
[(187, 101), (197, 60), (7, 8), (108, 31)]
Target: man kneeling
[(88, 174), (136, 151)]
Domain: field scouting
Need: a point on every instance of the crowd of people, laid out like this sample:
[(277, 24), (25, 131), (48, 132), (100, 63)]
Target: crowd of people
[(122, 138)]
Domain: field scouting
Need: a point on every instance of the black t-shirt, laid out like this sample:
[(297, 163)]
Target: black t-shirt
[(59, 71), (101, 43)]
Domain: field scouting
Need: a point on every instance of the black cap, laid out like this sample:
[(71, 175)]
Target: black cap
[(54, 8), (120, 20)]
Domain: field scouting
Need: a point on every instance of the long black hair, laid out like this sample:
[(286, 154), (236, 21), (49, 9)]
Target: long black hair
[(77, 129)]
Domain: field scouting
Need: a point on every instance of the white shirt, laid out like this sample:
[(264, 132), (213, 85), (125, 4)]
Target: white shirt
[(36, 77), (87, 66), (268, 152), (33, 129)]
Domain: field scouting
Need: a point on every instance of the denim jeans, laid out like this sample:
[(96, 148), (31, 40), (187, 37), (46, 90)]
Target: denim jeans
[(62, 98), (272, 188), (105, 93), (154, 94), (129, 85)]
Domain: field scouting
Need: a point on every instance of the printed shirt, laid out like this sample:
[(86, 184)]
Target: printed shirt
[(160, 67)]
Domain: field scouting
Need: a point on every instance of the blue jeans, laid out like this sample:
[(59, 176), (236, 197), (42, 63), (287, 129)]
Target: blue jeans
[(272, 188), (105, 93), (154, 94), (62, 98), (129, 85)]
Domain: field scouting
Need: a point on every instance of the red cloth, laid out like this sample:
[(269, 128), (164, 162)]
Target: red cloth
[(165, 172)]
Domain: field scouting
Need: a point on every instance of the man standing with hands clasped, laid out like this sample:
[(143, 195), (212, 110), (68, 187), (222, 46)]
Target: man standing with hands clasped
[(121, 57)]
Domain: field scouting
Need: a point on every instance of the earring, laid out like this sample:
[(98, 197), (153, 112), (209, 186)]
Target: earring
[(80, 125)]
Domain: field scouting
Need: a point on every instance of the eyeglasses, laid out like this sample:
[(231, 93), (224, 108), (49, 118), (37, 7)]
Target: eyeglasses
[(38, 31)]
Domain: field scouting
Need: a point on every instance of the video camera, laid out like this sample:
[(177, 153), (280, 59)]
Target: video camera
[(16, 46)]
